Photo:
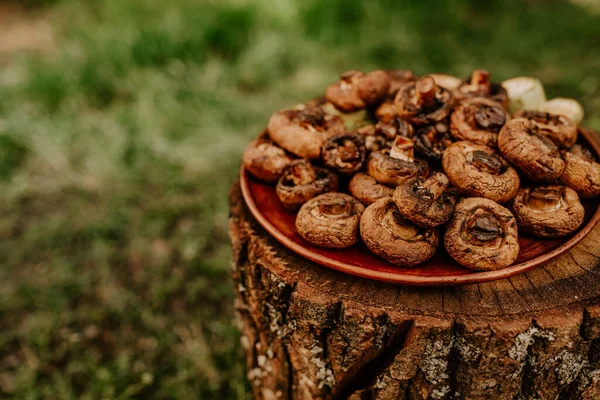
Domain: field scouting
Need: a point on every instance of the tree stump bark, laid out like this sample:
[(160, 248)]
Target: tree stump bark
[(312, 333)]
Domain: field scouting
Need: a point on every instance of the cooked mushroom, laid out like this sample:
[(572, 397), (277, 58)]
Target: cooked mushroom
[(344, 152), (380, 136), (330, 220), (567, 107), (536, 156), (265, 160), (424, 201), (524, 93), (447, 81), (479, 85), (478, 120), (482, 235), (558, 128), (582, 172), (477, 170), (367, 190), (398, 77), (303, 130), (396, 165), (386, 111), (548, 211), (423, 102), (392, 237), (356, 90), (432, 140), (301, 182)]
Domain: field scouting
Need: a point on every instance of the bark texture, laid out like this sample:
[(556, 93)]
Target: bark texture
[(312, 333)]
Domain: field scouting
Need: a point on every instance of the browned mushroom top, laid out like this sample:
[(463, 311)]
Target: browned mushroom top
[(398, 77), (344, 152), (432, 140), (548, 211), (558, 128), (264, 160), (480, 85), (367, 190), (330, 220), (356, 90), (303, 130), (482, 235), (302, 181), (477, 170), (423, 102), (478, 120), (393, 166), (582, 172), (536, 156)]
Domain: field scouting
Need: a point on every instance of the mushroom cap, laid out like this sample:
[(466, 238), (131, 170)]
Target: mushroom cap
[(356, 90), (330, 220), (303, 130), (423, 102), (478, 170), (390, 236), (393, 171), (561, 129), (536, 156), (264, 160), (582, 173), (367, 190), (424, 202), (548, 211), (480, 85), (301, 182), (479, 120), (398, 77), (482, 235), (344, 152)]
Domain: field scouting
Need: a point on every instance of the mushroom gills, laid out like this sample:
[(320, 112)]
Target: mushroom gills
[(332, 209), (398, 226), (482, 228), (486, 162), (545, 199), (490, 118), (300, 174)]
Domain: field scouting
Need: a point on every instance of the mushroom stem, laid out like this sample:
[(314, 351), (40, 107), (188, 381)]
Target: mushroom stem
[(302, 174), (403, 149), (436, 185), (480, 78), (426, 89)]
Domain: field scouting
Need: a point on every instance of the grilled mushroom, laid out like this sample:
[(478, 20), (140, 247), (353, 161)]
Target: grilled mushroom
[(382, 134), (548, 211), (558, 128), (344, 152), (432, 140), (424, 201), (477, 170), (482, 235), (367, 190), (301, 182), (423, 102), (330, 220), (396, 165), (536, 156), (582, 172), (478, 120), (265, 160), (479, 85), (356, 90), (303, 130), (392, 237), (398, 77)]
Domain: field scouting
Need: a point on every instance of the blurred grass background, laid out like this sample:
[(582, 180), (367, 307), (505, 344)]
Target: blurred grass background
[(120, 139)]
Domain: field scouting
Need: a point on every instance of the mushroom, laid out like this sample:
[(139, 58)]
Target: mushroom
[(447, 81), (524, 93), (367, 190), (356, 90), (398, 77), (536, 156), (301, 182), (548, 211), (303, 130), (423, 102), (558, 128), (477, 170), (394, 238), (386, 110), (264, 160), (432, 140), (482, 235), (479, 85), (393, 166), (582, 172), (478, 120), (381, 135), (344, 152), (330, 220), (424, 201)]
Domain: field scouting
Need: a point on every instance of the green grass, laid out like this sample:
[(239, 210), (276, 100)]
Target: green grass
[(117, 151)]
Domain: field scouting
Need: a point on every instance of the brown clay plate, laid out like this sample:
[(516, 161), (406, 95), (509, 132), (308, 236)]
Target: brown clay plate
[(441, 270)]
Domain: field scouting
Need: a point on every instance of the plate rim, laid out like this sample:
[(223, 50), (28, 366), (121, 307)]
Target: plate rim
[(417, 280)]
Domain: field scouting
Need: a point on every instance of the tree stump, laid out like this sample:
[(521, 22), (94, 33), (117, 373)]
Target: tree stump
[(313, 333)]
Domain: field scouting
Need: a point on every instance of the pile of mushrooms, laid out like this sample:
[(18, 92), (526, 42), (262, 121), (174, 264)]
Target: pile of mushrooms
[(408, 164)]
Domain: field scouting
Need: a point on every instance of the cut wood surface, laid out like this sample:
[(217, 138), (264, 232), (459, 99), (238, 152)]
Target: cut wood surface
[(313, 333)]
